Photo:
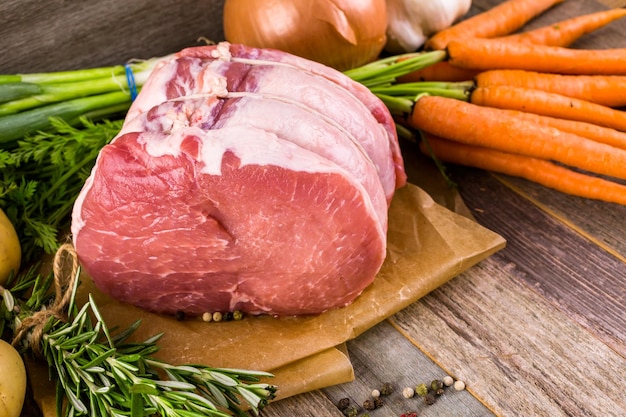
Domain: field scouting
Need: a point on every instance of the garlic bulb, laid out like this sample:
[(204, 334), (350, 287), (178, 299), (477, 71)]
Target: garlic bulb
[(411, 22)]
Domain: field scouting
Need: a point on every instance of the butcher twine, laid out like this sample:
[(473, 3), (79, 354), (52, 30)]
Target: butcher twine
[(63, 286)]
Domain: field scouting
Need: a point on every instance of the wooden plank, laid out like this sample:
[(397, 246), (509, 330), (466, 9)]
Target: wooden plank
[(61, 35), (518, 353), (597, 221), (576, 275), (313, 403), (383, 355)]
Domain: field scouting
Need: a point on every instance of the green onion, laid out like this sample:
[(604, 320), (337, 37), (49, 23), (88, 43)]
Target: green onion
[(21, 124), (16, 90), (387, 70), (29, 101), (381, 78)]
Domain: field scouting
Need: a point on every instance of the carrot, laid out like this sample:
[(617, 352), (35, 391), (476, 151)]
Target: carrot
[(493, 128), (548, 104), (591, 131), (607, 90), (500, 20), (487, 54), (566, 32), (441, 71), (537, 170)]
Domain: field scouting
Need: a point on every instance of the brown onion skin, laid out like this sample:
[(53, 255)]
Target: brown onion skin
[(342, 34)]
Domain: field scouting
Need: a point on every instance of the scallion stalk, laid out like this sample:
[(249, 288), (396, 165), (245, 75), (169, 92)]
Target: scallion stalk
[(390, 68), (29, 101), (381, 78), (17, 90), (16, 126), (78, 75)]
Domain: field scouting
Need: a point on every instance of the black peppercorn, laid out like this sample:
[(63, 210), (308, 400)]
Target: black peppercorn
[(430, 398), (369, 404), (343, 403), (180, 315), (378, 402), (387, 389), (228, 316)]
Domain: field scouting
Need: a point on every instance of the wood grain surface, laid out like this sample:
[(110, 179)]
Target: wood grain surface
[(538, 329)]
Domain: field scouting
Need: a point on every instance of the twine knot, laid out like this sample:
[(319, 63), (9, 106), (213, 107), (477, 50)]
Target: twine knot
[(65, 270)]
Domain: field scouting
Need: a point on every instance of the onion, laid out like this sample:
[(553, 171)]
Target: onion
[(342, 34)]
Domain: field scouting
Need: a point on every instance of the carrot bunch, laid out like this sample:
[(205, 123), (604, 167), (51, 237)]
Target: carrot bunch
[(537, 108)]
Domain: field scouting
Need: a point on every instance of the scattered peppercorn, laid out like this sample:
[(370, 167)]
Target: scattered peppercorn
[(459, 385), (207, 317), (378, 402), (440, 391), (228, 316), (350, 411), (180, 315), (237, 315), (421, 390), (387, 389), (375, 393), (429, 399), (369, 404), (436, 384), (410, 414), (448, 380), (408, 392), (343, 403), (217, 316)]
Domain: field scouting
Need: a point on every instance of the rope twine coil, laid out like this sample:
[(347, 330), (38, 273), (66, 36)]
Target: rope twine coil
[(65, 272)]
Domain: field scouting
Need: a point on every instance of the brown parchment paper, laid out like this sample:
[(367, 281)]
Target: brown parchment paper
[(428, 245)]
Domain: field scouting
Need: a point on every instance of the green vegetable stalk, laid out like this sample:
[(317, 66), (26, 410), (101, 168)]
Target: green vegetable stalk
[(28, 101)]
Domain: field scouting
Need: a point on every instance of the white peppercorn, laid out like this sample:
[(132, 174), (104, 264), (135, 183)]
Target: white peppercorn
[(459, 385)]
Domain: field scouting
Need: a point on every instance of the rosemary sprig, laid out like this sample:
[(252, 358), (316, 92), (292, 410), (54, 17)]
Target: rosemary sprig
[(102, 373)]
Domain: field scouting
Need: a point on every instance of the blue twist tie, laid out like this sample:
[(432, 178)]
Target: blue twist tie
[(130, 79)]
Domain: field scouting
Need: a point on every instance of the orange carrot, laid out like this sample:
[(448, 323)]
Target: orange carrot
[(500, 20), (537, 170), (495, 129), (548, 104), (566, 32), (441, 71), (591, 131), (487, 54), (607, 90)]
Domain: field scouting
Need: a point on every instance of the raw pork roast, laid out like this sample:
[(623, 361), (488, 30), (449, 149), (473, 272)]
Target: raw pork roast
[(243, 179)]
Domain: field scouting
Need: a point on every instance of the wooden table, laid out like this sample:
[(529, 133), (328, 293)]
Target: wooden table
[(538, 329)]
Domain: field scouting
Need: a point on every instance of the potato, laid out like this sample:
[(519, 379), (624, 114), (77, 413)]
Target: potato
[(12, 381), (10, 251)]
